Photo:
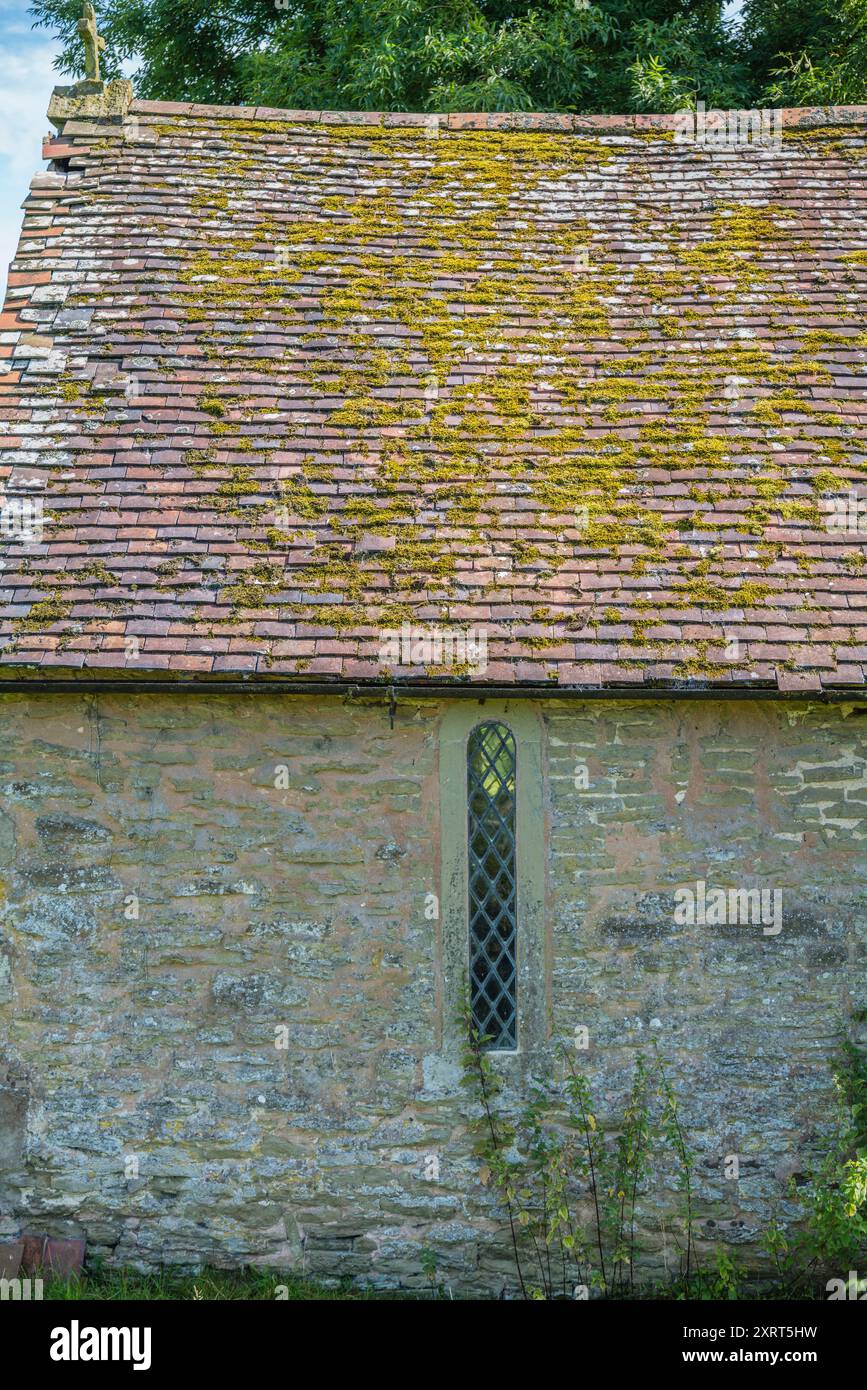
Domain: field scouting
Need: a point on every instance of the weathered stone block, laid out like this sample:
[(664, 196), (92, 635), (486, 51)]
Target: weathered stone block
[(13, 1125), (250, 1067), (11, 1252)]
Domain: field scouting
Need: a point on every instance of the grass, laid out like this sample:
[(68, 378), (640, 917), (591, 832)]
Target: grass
[(267, 1286), (211, 1285)]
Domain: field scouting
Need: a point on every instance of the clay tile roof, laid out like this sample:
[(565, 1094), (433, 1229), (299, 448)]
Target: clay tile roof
[(581, 399)]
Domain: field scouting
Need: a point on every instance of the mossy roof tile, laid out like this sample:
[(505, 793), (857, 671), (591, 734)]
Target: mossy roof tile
[(298, 380)]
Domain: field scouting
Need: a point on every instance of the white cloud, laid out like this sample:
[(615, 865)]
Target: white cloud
[(27, 78)]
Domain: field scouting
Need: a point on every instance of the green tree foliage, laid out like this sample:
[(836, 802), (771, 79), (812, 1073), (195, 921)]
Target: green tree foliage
[(478, 55), (806, 52)]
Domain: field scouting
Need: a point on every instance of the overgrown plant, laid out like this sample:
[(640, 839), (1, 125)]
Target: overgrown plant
[(571, 1187), (832, 1238), (672, 1130)]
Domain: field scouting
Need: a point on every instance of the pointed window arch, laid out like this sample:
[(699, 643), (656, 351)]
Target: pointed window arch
[(492, 883)]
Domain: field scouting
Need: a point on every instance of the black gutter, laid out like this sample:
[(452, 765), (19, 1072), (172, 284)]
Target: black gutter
[(272, 685)]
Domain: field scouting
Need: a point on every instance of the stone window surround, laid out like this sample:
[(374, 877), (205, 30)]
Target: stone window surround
[(533, 956)]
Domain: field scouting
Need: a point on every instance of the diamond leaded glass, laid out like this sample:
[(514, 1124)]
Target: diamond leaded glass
[(493, 919)]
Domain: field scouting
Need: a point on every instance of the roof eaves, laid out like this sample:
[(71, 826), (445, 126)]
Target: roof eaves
[(24, 678)]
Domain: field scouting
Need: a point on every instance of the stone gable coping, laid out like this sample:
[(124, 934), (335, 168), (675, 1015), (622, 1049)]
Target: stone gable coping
[(113, 100), (805, 117), (103, 101)]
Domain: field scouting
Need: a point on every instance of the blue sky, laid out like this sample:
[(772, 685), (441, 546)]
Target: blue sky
[(27, 76)]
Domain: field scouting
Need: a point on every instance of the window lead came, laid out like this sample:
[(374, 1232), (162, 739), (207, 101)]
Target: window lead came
[(491, 769)]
